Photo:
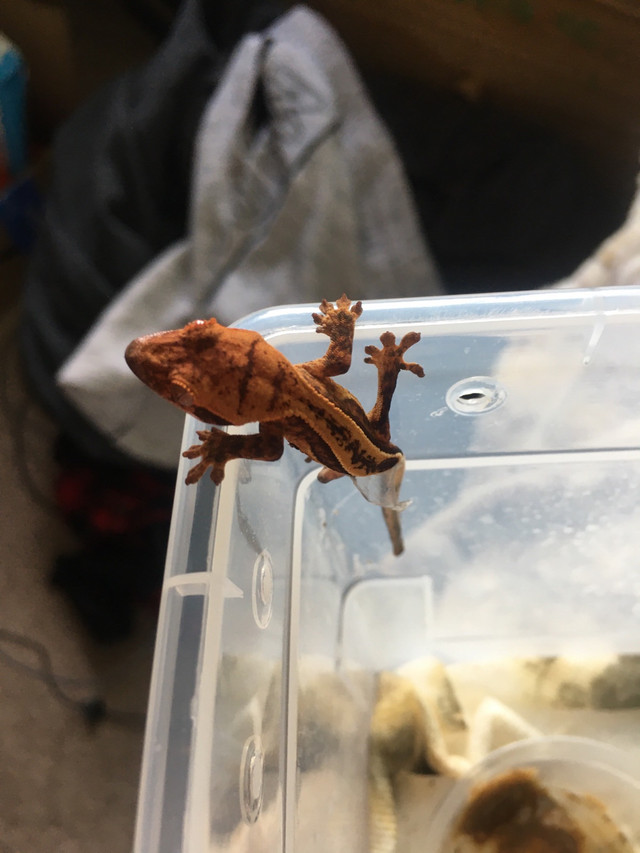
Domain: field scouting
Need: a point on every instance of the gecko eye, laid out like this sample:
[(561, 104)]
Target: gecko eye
[(181, 396)]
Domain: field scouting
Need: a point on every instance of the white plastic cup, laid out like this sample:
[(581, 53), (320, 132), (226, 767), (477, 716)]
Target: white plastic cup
[(601, 781)]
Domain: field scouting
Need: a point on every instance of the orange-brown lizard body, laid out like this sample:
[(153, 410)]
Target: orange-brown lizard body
[(229, 376)]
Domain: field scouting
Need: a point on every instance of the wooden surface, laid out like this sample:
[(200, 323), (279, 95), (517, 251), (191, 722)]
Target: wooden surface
[(571, 65)]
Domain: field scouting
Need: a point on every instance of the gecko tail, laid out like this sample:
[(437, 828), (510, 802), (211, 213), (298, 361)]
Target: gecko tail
[(383, 489), (392, 520)]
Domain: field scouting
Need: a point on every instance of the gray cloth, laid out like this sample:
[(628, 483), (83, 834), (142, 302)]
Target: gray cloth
[(297, 194)]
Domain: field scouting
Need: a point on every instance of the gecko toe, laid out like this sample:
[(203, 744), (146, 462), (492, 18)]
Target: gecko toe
[(409, 340), (415, 368), (193, 452), (217, 474), (195, 473)]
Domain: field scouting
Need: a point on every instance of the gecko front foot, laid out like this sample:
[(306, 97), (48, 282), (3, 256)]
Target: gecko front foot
[(212, 455), (390, 359), (218, 448)]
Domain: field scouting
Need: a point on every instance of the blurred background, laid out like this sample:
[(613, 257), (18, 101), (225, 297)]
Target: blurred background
[(68, 781), (517, 125)]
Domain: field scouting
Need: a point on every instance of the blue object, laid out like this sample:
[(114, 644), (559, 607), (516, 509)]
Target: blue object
[(13, 81), (20, 207)]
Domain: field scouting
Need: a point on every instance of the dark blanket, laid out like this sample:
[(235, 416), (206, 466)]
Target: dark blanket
[(120, 191)]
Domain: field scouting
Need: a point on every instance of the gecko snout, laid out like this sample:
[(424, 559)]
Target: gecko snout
[(143, 361), (149, 358), (133, 357)]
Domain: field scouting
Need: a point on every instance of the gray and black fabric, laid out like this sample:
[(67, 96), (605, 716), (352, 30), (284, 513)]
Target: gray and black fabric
[(297, 193), (119, 194)]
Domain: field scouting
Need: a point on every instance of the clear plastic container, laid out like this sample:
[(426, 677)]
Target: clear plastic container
[(572, 792), (283, 602)]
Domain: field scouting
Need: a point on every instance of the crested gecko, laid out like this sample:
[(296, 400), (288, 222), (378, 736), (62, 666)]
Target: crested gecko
[(229, 376)]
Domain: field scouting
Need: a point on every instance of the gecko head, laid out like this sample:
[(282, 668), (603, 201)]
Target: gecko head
[(172, 363)]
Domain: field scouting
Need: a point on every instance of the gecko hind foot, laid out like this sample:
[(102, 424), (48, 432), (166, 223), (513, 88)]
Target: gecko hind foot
[(328, 475), (391, 356), (337, 318), (338, 322)]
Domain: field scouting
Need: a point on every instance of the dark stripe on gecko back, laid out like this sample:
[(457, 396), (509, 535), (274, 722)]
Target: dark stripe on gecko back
[(296, 431), (336, 395), (336, 430), (275, 401), (359, 461), (247, 375)]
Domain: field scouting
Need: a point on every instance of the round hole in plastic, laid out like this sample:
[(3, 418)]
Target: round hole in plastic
[(475, 396)]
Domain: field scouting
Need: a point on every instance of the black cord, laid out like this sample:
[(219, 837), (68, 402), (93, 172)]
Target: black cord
[(93, 709)]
